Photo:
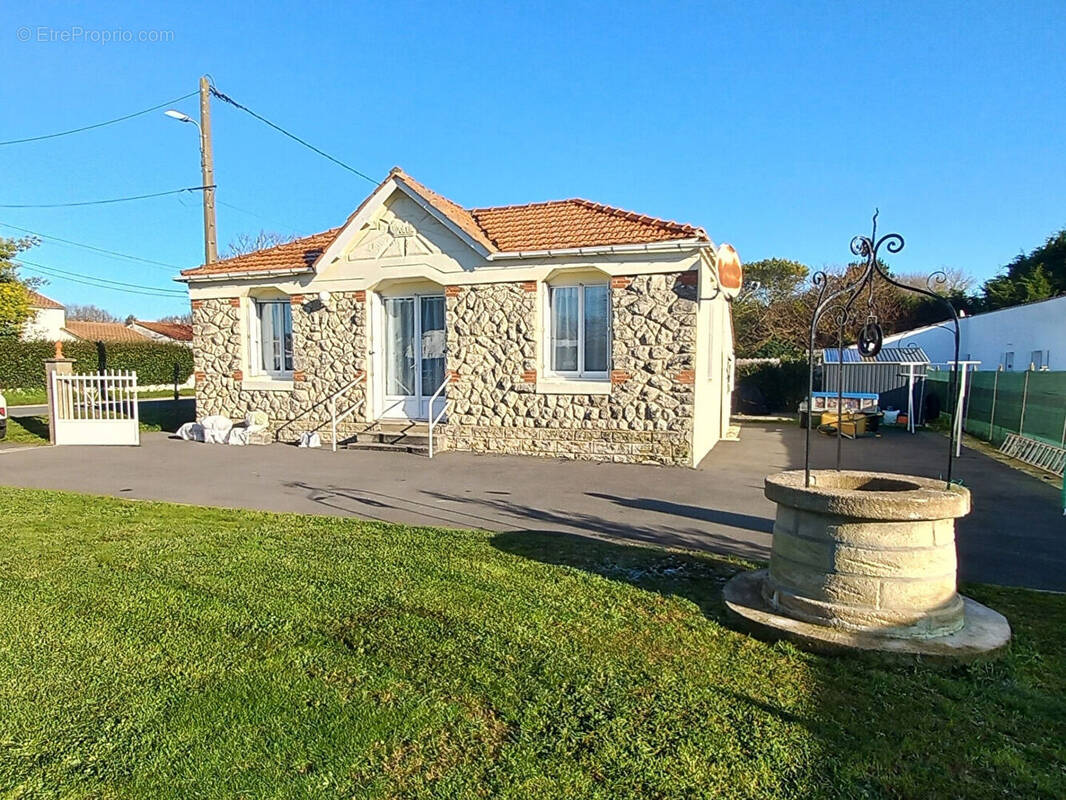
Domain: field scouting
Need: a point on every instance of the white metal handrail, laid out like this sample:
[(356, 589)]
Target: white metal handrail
[(333, 418), (434, 419)]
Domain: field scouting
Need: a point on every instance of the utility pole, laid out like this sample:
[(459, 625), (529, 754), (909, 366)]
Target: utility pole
[(207, 170)]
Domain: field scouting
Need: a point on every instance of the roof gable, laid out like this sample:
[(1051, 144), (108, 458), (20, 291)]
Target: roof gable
[(455, 213), (401, 227)]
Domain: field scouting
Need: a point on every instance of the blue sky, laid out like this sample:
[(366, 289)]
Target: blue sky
[(776, 126)]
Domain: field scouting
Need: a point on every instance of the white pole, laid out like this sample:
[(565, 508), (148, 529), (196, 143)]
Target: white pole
[(960, 410), (333, 421), (910, 397), (136, 410), (1025, 400), (53, 407)]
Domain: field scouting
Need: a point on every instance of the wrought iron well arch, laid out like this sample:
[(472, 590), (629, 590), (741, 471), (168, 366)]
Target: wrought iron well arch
[(840, 302)]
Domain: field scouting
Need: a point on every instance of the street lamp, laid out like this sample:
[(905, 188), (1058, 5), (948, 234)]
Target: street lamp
[(207, 168), (180, 117)]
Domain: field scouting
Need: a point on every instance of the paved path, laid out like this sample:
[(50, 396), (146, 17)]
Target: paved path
[(1015, 535)]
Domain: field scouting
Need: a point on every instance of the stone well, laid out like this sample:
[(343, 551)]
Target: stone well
[(866, 560)]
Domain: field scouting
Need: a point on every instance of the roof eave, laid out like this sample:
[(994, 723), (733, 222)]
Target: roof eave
[(208, 277), (608, 249)]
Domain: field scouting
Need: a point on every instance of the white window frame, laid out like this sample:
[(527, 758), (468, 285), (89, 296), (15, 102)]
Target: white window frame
[(549, 346), (255, 326)]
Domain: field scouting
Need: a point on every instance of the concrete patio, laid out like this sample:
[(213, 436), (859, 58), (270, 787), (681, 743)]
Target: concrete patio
[(1015, 535)]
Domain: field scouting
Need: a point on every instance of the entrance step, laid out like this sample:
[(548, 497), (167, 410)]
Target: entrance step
[(396, 436), (417, 450)]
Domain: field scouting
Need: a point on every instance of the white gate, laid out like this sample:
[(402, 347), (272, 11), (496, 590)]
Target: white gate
[(95, 409)]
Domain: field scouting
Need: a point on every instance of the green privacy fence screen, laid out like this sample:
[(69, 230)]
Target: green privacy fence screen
[(998, 403)]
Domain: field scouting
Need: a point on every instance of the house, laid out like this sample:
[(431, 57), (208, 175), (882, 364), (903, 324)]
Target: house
[(564, 328), (102, 331), (47, 321), (1021, 337), (170, 332)]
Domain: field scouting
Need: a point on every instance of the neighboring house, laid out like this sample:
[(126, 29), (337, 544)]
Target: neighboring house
[(102, 332), (564, 328), (47, 321), (1017, 338), (171, 332)]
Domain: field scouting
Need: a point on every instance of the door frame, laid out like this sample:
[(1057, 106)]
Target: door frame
[(413, 407)]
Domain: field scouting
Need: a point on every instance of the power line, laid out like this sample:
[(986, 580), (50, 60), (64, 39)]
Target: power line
[(227, 99), (110, 200), (66, 277), (161, 264), (101, 280), (98, 124), (92, 280), (46, 273)]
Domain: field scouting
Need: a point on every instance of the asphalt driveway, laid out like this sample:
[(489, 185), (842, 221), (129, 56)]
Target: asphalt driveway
[(1016, 534)]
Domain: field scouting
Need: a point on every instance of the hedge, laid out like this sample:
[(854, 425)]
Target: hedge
[(22, 363), (783, 386)]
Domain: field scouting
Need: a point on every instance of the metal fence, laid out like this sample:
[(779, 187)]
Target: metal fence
[(999, 403)]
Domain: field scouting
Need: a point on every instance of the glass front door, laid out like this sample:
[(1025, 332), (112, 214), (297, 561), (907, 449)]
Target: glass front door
[(414, 355)]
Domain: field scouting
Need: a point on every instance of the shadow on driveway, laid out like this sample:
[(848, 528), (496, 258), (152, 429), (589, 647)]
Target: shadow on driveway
[(730, 518), (498, 513)]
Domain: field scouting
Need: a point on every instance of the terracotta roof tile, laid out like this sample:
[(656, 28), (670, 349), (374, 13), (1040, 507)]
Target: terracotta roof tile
[(297, 254), (563, 224), (38, 300), (172, 330), (554, 225), (103, 331)]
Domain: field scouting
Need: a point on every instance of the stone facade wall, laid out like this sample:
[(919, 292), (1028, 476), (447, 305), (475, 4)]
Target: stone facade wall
[(329, 350), (493, 406)]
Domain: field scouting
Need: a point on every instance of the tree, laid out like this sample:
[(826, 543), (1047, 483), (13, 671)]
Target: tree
[(772, 315), (764, 314), (90, 313), (1037, 276), (773, 279), (246, 243), (954, 281), (14, 292), (921, 310), (179, 319)]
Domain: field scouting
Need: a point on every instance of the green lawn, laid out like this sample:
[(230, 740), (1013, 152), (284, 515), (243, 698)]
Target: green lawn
[(158, 651)]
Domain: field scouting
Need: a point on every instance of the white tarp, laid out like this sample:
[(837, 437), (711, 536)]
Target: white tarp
[(220, 430)]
